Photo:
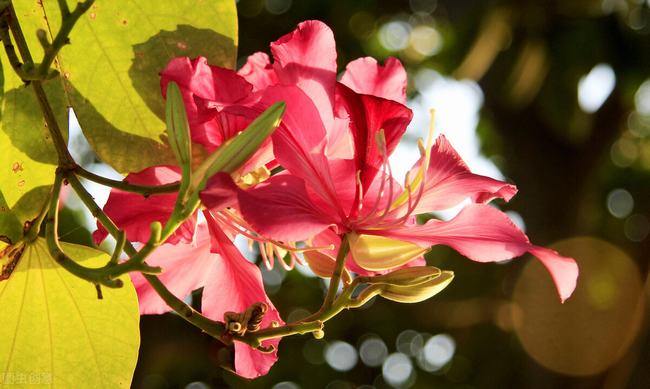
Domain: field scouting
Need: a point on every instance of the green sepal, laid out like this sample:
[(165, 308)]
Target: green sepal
[(178, 129), (236, 151)]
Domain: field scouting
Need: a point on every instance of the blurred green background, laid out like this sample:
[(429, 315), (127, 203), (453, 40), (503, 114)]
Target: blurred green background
[(551, 95)]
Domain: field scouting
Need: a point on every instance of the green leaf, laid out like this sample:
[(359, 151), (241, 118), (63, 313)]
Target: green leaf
[(54, 331), (237, 150), (111, 69)]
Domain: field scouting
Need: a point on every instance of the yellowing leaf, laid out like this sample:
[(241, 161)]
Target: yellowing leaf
[(55, 332)]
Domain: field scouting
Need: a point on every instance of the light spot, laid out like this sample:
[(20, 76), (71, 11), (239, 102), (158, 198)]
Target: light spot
[(197, 385), (424, 6), (426, 40), (409, 342), (596, 325), (595, 87), (637, 227), (341, 356), (624, 152), (437, 352), (373, 352), (397, 369), (642, 98), (620, 203), (394, 36), (286, 385), (277, 7)]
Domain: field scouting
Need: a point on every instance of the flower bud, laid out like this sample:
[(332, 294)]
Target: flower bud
[(178, 129), (419, 292), (377, 253), (408, 276)]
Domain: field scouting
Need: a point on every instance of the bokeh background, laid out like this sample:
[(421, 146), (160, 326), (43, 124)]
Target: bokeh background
[(553, 95)]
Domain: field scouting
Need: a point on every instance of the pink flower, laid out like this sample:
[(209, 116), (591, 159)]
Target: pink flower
[(229, 282), (334, 144), (134, 212)]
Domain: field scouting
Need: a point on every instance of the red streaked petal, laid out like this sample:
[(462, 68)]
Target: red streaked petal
[(485, 234), (368, 115), (449, 181), (280, 208)]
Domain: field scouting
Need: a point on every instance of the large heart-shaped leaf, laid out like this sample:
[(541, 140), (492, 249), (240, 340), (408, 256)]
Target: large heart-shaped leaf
[(111, 69), (55, 332)]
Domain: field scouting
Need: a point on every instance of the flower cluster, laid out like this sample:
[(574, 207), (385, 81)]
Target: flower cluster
[(335, 193)]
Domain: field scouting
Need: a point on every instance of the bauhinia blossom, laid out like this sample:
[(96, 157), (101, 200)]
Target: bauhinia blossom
[(334, 145)]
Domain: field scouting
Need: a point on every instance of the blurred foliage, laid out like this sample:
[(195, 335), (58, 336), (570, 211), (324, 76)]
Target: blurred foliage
[(528, 58)]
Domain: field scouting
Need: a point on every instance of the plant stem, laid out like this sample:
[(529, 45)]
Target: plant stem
[(106, 275), (144, 190), (68, 20), (65, 159), (336, 276), (211, 327)]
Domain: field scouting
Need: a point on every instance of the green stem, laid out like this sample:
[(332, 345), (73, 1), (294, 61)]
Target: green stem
[(125, 186), (211, 327), (336, 276), (106, 275), (55, 248), (65, 159), (300, 328)]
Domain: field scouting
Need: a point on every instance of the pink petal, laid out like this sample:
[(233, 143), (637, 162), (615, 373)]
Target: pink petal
[(134, 213), (207, 82), (306, 57), (280, 208), (207, 89), (485, 234), (220, 192), (366, 76), (236, 284), (258, 71), (368, 115), (449, 181), (564, 270), (185, 269)]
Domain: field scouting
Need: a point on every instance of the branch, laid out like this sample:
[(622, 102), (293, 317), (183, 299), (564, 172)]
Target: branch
[(65, 159), (144, 190), (109, 273), (68, 20), (336, 276)]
